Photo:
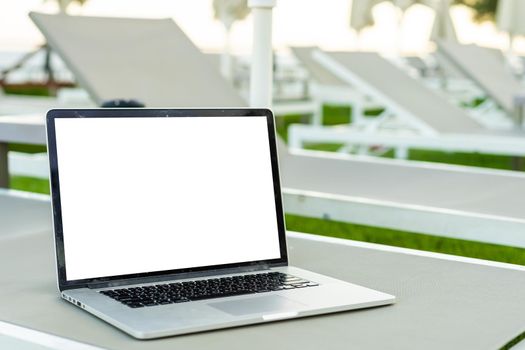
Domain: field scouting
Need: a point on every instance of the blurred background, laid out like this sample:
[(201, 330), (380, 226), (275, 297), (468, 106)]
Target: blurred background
[(296, 23), (453, 49)]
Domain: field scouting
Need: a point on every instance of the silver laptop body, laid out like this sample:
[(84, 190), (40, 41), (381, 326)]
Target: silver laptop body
[(170, 221)]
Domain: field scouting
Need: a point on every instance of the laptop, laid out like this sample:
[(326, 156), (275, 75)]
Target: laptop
[(170, 221)]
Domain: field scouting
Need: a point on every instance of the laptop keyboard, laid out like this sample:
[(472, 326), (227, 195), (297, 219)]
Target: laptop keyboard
[(180, 292)]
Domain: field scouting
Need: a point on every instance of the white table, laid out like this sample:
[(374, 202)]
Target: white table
[(442, 301)]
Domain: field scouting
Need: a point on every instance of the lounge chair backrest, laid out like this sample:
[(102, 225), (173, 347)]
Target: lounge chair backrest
[(402, 93), (150, 60), (447, 69), (317, 72), (486, 67)]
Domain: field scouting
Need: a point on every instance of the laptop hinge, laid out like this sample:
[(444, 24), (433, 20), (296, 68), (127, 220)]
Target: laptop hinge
[(179, 276)]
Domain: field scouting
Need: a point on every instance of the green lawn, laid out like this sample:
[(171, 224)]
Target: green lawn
[(406, 239), (33, 90), (335, 115), (470, 159), (24, 183), (29, 184), (17, 147)]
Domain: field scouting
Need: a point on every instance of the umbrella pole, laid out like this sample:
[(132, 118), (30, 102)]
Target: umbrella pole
[(226, 57), (261, 76)]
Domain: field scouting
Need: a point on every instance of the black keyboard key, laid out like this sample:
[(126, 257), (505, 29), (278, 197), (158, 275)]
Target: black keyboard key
[(180, 292), (134, 306), (183, 300)]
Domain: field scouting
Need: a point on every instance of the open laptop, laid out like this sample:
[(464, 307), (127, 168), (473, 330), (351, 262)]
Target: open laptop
[(170, 221)]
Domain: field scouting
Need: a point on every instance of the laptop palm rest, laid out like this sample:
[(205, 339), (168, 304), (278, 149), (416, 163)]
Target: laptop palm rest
[(270, 303)]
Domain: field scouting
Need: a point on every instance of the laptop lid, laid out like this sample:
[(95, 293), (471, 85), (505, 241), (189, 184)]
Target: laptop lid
[(144, 194)]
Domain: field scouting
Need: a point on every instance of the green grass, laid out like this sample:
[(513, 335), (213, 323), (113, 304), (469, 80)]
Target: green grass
[(325, 147), (406, 239), (491, 161), (470, 159), (17, 147), (474, 103), (282, 124), (514, 342), (29, 184), (481, 160), (33, 90), (333, 115)]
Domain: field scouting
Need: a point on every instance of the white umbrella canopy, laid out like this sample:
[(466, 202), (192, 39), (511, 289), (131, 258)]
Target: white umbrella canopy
[(361, 11), (229, 11), (361, 14), (509, 18), (443, 27), (64, 4), (405, 4)]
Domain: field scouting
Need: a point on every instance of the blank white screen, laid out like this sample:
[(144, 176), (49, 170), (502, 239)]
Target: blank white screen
[(151, 194)]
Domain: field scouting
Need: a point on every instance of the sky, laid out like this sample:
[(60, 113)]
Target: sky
[(296, 22)]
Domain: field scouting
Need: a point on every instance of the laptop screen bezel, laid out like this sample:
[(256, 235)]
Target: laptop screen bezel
[(52, 115)]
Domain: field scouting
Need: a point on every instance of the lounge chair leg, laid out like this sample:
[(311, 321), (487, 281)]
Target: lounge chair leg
[(317, 117), (518, 163), (401, 153), (4, 170)]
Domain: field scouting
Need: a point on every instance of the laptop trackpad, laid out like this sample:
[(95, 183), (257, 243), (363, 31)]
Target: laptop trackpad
[(256, 305)]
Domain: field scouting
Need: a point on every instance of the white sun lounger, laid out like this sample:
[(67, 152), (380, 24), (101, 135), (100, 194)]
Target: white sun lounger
[(438, 123), (320, 75), (150, 72), (317, 72), (328, 87), (144, 59), (439, 74), (391, 193), (487, 69), (23, 213)]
